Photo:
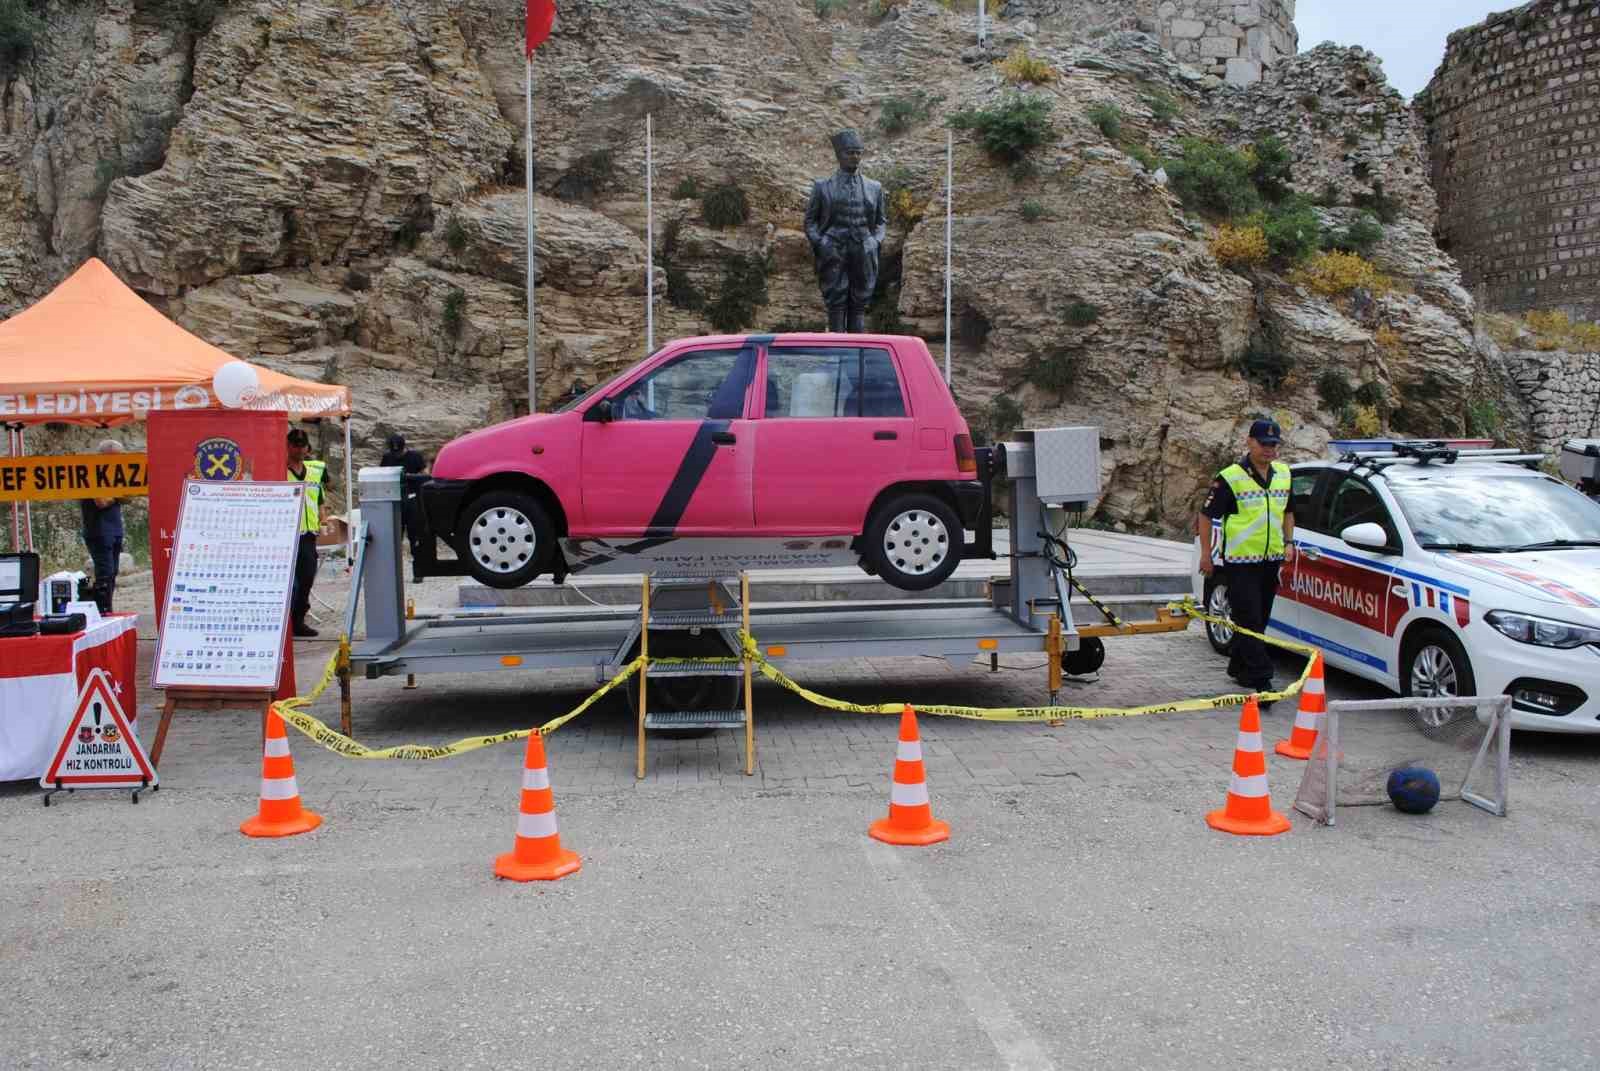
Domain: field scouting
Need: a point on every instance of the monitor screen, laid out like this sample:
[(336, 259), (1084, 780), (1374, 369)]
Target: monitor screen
[(10, 577)]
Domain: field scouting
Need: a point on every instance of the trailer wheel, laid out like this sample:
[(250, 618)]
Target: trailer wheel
[(686, 693)]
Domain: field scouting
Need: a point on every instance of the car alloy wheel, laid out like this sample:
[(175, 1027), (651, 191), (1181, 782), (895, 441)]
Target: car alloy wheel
[(1221, 635), (916, 542), (503, 539), (1434, 673)]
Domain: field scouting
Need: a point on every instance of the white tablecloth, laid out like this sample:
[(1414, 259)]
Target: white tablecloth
[(39, 682)]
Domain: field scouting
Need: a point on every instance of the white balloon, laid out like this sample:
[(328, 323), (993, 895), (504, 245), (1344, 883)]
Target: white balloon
[(236, 384)]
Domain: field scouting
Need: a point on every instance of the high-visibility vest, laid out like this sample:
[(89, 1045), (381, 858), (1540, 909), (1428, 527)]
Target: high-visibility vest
[(311, 518), (1254, 531)]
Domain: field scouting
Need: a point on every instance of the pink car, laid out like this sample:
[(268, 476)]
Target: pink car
[(759, 436)]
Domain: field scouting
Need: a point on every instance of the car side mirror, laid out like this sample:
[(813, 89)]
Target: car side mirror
[(600, 412), (1368, 536)]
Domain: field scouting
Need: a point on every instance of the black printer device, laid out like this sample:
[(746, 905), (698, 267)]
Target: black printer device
[(19, 586)]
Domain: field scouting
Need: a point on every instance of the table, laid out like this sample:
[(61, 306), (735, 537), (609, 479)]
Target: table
[(40, 677)]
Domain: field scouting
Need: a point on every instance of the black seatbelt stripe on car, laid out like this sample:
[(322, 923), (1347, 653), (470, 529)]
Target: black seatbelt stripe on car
[(696, 460)]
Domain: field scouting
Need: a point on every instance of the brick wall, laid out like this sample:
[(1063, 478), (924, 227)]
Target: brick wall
[(1513, 133)]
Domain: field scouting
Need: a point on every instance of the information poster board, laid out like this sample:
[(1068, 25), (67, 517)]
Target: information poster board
[(227, 601)]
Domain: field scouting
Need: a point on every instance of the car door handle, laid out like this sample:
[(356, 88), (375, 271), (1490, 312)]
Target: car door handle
[(724, 438), (1310, 552), (1401, 590), (885, 435)]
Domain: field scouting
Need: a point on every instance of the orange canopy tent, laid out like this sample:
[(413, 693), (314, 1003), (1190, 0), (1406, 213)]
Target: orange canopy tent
[(94, 352)]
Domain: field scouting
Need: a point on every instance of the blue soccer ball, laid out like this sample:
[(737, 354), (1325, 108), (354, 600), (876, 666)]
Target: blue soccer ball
[(1414, 789)]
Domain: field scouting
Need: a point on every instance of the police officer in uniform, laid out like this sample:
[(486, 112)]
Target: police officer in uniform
[(1253, 499), (314, 474), (846, 222), (412, 465)]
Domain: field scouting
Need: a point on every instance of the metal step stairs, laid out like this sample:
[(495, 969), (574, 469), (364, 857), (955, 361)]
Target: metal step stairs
[(694, 719), (693, 604)]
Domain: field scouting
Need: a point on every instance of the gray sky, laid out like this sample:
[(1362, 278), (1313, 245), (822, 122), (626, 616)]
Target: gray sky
[(1408, 34)]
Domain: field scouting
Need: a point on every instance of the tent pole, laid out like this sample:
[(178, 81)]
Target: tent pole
[(16, 507), (27, 507), (349, 505)]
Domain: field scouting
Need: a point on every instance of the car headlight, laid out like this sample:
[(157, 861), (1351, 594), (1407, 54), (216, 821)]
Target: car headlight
[(1540, 631)]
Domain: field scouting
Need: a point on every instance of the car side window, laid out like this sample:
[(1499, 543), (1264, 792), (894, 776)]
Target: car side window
[(1303, 485), (880, 387), (700, 385), (1353, 501), (820, 382)]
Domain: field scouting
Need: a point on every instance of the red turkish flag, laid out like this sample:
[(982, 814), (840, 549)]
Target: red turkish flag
[(541, 16)]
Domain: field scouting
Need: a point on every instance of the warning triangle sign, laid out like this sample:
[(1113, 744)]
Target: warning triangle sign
[(100, 749)]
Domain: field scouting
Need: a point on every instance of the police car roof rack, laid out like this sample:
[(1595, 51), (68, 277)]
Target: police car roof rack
[(1425, 451)]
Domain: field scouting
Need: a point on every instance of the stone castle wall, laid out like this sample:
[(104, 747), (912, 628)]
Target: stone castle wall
[(1513, 133), (1562, 391), (1236, 40)]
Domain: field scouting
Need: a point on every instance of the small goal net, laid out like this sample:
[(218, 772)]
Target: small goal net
[(1465, 741)]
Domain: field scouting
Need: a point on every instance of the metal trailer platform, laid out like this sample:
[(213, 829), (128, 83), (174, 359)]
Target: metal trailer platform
[(566, 638), (1029, 611)]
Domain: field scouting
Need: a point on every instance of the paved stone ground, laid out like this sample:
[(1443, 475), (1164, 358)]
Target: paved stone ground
[(1082, 914)]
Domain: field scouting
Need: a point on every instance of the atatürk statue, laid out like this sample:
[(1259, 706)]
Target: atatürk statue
[(845, 222)]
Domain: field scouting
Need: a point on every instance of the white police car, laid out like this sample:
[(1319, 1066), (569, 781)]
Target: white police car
[(1435, 570)]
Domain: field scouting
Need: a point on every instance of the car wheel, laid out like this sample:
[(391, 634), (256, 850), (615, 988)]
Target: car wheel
[(1217, 605), (1436, 666), (506, 539), (913, 542)]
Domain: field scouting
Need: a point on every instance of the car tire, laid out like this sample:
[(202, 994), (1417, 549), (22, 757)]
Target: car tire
[(913, 542), (1215, 597), (1435, 664), (505, 538)]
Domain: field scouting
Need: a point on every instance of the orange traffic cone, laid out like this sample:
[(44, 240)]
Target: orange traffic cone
[(1249, 807), (1308, 719), (537, 854), (910, 818), (281, 814)]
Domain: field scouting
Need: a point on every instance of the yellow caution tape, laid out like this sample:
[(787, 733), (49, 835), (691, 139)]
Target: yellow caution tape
[(293, 710)]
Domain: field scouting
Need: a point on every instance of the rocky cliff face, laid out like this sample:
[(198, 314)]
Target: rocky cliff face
[(334, 189)]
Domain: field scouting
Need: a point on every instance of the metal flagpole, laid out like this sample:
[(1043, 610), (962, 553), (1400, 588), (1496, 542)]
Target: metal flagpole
[(649, 236), (533, 329), (949, 217)]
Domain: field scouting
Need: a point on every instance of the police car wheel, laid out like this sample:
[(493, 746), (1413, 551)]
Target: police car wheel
[(1217, 604), (505, 539), (1436, 666), (914, 542)]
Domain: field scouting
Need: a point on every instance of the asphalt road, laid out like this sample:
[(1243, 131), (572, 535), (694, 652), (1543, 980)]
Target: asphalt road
[(1081, 915)]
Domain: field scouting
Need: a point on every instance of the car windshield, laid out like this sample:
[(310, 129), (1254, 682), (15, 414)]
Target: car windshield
[(577, 396), (1491, 512)]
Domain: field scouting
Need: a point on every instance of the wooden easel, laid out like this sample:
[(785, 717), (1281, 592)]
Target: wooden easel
[(209, 699)]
